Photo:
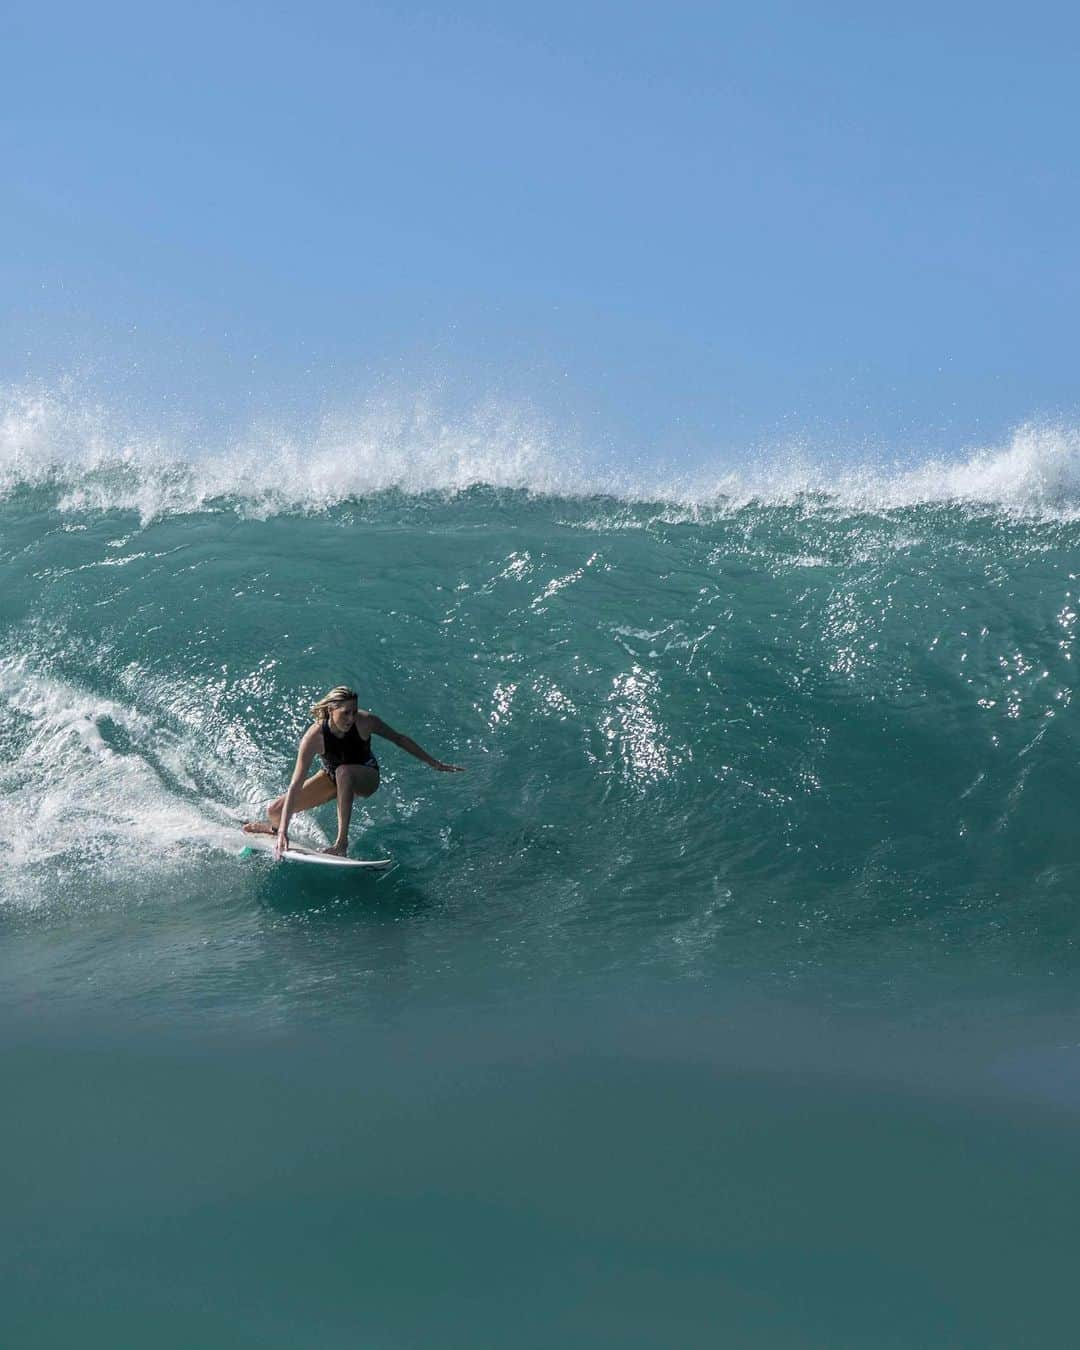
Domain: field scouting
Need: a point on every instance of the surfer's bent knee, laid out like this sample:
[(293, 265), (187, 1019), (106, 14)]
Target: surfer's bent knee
[(364, 778)]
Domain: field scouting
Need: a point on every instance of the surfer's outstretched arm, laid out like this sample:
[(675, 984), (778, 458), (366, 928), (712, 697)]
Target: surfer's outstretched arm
[(380, 728)]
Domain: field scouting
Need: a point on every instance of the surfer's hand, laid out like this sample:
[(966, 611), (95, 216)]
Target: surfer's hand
[(281, 844), (440, 767)]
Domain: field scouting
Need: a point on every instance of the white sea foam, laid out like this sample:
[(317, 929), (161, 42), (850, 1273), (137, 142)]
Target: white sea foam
[(97, 460), (1036, 472), (94, 787)]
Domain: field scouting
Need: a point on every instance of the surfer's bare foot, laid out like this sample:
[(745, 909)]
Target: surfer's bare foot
[(259, 827), (337, 850)]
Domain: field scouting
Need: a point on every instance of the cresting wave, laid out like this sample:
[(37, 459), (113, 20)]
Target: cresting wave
[(94, 459), (769, 732), (767, 720)]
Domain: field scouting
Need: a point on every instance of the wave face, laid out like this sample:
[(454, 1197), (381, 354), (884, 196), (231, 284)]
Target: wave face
[(823, 722)]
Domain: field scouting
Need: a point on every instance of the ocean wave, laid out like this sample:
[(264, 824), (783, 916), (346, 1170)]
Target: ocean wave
[(779, 722), (94, 459)]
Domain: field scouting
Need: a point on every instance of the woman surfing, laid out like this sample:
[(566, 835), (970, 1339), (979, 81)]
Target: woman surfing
[(340, 734)]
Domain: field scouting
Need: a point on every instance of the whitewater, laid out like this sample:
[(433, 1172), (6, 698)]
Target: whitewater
[(729, 991)]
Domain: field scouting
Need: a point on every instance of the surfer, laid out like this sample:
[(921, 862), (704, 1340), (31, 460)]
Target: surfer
[(340, 734)]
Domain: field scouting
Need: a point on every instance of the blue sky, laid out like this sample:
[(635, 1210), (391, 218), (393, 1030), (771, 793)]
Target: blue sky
[(680, 228)]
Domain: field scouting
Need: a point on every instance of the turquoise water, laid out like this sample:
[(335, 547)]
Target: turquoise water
[(728, 997)]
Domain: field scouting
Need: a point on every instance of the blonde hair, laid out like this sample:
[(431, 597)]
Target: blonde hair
[(341, 693)]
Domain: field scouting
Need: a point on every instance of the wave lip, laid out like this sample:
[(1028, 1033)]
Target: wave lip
[(1037, 473), (95, 462)]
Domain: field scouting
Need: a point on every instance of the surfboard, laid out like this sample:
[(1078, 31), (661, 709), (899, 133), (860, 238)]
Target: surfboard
[(301, 853)]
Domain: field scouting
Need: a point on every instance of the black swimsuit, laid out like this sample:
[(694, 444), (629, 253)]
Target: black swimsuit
[(352, 748)]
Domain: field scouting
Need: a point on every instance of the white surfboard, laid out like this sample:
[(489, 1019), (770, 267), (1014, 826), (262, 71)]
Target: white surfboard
[(301, 853)]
